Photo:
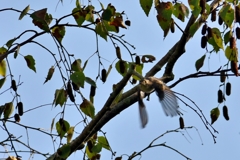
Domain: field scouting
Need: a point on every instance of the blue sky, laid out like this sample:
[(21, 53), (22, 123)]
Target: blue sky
[(123, 132)]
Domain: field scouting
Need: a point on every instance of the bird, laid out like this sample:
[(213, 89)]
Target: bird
[(165, 95)]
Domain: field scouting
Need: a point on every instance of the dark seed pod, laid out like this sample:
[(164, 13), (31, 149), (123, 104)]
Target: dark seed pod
[(220, 20), (238, 33), (204, 29), (14, 86), (209, 30), (172, 27), (232, 42), (61, 122), (137, 60), (128, 22), (92, 91), (203, 6), (118, 52), (69, 92), (75, 87), (228, 89), (225, 113), (134, 81), (90, 145), (237, 14), (222, 76), (213, 15), (17, 117), (234, 67), (122, 66), (204, 41), (181, 122), (98, 156), (220, 96), (104, 75), (97, 20), (20, 108)]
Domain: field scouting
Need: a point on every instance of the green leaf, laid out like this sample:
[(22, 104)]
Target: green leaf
[(214, 44), (89, 16), (101, 31), (231, 54), (8, 110), (41, 19), (64, 151), (79, 15), (164, 16), (2, 108), (193, 28), (78, 78), (138, 69), (76, 65), (107, 14), (87, 108), (89, 153), (62, 127), (2, 80), (78, 5), (124, 64), (214, 114), (70, 134), (217, 37), (109, 27), (60, 97), (30, 62), (49, 75), (146, 5), (58, 32), (24, 12), (51, 128), (3, 68), (90, 81), (180, 11), (97, 148), (10, 42), (104, 142), (227, 15), (227, 36), (199, 62)]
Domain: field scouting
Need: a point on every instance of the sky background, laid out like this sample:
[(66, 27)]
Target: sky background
[(123, 132)]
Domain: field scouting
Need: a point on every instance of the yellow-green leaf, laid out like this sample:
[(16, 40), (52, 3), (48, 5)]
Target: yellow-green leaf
[(60, 97), (24, 12), (199, 62), (49, 75), (146, 5), (2, 80), (101, 31), (217, 37), (62, 126), (8, 110), (104, 142), (79, 15), (10, 42), (214, 114), (227, 14), (78, 78), (87, 108), (124, 66), (58, 32), (76, 65), (231, 54), (3, 68), (30, 62), (138, 69), (90, 81), (70, 134), (180, 11)]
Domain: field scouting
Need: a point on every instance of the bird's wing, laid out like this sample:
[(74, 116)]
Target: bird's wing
[(142, 110), (168, 100)]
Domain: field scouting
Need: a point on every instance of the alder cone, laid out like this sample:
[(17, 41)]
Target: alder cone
[(222, 76), (172, 27), (204, 29), (228, 89), (122, 66), (69, 92), (232, 42), (209, 30), (118, 52), (234, 67), (237, 14), (204, 41), (20, 108), (213, 15), (181, 122), (220, 96), (238, 33), (14, 86), (220, 20), (203, 6), (134, 81), (17, 117), (128, 22), (92, 91), (225, 112), (104, 75), (137, 60)]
